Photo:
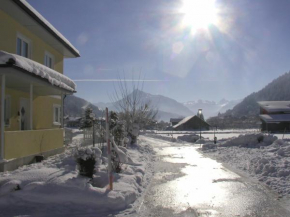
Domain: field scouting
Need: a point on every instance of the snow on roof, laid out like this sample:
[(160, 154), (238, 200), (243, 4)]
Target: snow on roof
[(49, 25), (74, 118), (53, 77), (184, 120), (275, 118), (275, 105)]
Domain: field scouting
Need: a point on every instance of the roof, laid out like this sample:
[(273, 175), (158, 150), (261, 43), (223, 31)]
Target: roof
[(74, 118), (275, 118), (53, 77), (24, 6), (175, 119), (184, 120), (275, 106)]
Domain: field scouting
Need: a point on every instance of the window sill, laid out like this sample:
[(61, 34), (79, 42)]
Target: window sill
[(56, 123)]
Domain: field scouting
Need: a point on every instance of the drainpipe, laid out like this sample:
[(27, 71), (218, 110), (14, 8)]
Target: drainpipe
[(2, 115), (63, 96)]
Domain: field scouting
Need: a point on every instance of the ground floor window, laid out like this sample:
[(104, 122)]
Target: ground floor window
[(56, 114)]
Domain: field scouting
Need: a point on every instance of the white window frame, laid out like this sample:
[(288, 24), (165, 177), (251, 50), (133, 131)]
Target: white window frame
[(7, 109), (58, 122), (47, 54), (28, 41)]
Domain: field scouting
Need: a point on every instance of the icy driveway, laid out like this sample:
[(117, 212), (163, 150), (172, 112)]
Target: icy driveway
[(187, 184)]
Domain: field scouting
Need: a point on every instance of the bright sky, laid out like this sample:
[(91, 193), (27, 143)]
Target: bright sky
[(187, 50)]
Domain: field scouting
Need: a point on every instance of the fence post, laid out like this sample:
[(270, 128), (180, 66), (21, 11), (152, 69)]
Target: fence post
[(109, 151)]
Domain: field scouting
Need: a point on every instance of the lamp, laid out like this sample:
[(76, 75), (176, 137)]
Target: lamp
[(199, 114)]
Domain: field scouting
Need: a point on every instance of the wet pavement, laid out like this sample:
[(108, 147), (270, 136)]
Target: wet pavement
[(185, 183)]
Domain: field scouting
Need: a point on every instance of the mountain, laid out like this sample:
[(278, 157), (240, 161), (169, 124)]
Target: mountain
[(277, 90), (211, 108), (167, 107), (74, 106)]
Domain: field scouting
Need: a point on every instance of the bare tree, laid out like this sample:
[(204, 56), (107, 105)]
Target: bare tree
[(134, 108)]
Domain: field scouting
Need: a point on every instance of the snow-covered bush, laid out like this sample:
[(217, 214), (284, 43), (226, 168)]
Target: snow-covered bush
[(251, 140), (117, 128), (87, 159), (87, 120)]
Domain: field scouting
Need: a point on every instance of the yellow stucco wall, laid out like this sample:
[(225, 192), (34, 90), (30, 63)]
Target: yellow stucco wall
[(25, 143), (43, 112), (9, 28)]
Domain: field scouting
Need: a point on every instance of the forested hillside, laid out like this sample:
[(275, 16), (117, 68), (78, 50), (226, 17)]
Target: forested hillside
[(277, 90), (245, 114)]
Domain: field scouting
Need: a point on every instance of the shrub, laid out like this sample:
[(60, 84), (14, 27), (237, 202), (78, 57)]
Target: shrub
[(86, 159)]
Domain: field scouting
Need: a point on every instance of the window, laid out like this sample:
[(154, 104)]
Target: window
[(49, 60), (23, 46), (56, 114), (7, 110)]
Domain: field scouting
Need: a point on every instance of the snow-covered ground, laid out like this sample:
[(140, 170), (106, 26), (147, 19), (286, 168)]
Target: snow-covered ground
[(55, 188), (267, 161)]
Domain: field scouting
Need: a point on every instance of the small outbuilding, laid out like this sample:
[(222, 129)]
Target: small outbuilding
[(191, 123)]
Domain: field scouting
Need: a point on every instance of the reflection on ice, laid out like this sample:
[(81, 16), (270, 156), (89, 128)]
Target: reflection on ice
[(192, 190)]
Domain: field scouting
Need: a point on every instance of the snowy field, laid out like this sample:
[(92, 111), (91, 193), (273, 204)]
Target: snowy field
[(54, 187)]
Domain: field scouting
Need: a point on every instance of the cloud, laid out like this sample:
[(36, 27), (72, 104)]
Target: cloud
[(83, 38), (88, 69)]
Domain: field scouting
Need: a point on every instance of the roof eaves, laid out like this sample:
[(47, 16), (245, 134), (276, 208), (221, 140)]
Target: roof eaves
[(35, 76), (45, 26)]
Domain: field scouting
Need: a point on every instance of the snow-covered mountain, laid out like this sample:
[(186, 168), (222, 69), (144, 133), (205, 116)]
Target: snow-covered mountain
[(211, 108), (167, 107), (170, 108)]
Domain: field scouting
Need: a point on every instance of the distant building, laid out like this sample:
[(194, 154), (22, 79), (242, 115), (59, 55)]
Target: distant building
[(73, 122), (175, 121), (191, 123), (275, 116)]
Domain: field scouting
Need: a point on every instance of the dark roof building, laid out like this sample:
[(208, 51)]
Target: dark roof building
[(275, 116), (191, 123), (175, 121)]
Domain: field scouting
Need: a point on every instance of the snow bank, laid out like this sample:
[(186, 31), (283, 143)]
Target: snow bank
[(54, 77), (188, 138), (163, 137), (269, 164), (251, 141), (55, 185)]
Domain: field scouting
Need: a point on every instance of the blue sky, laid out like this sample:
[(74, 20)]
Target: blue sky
[(244, 51)]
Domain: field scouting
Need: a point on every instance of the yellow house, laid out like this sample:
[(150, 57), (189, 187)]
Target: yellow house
[(33, 86)]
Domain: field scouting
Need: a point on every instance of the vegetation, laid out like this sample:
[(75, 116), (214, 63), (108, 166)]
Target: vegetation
[(135, 110), (277, 90)]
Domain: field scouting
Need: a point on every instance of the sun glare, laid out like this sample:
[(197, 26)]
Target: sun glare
[(198, 14)]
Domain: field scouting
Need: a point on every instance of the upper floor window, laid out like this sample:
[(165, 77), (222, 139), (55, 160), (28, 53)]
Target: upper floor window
[(49, 60), (23, 46)]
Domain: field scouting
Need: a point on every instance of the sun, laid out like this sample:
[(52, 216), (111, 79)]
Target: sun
[(198, 14)]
